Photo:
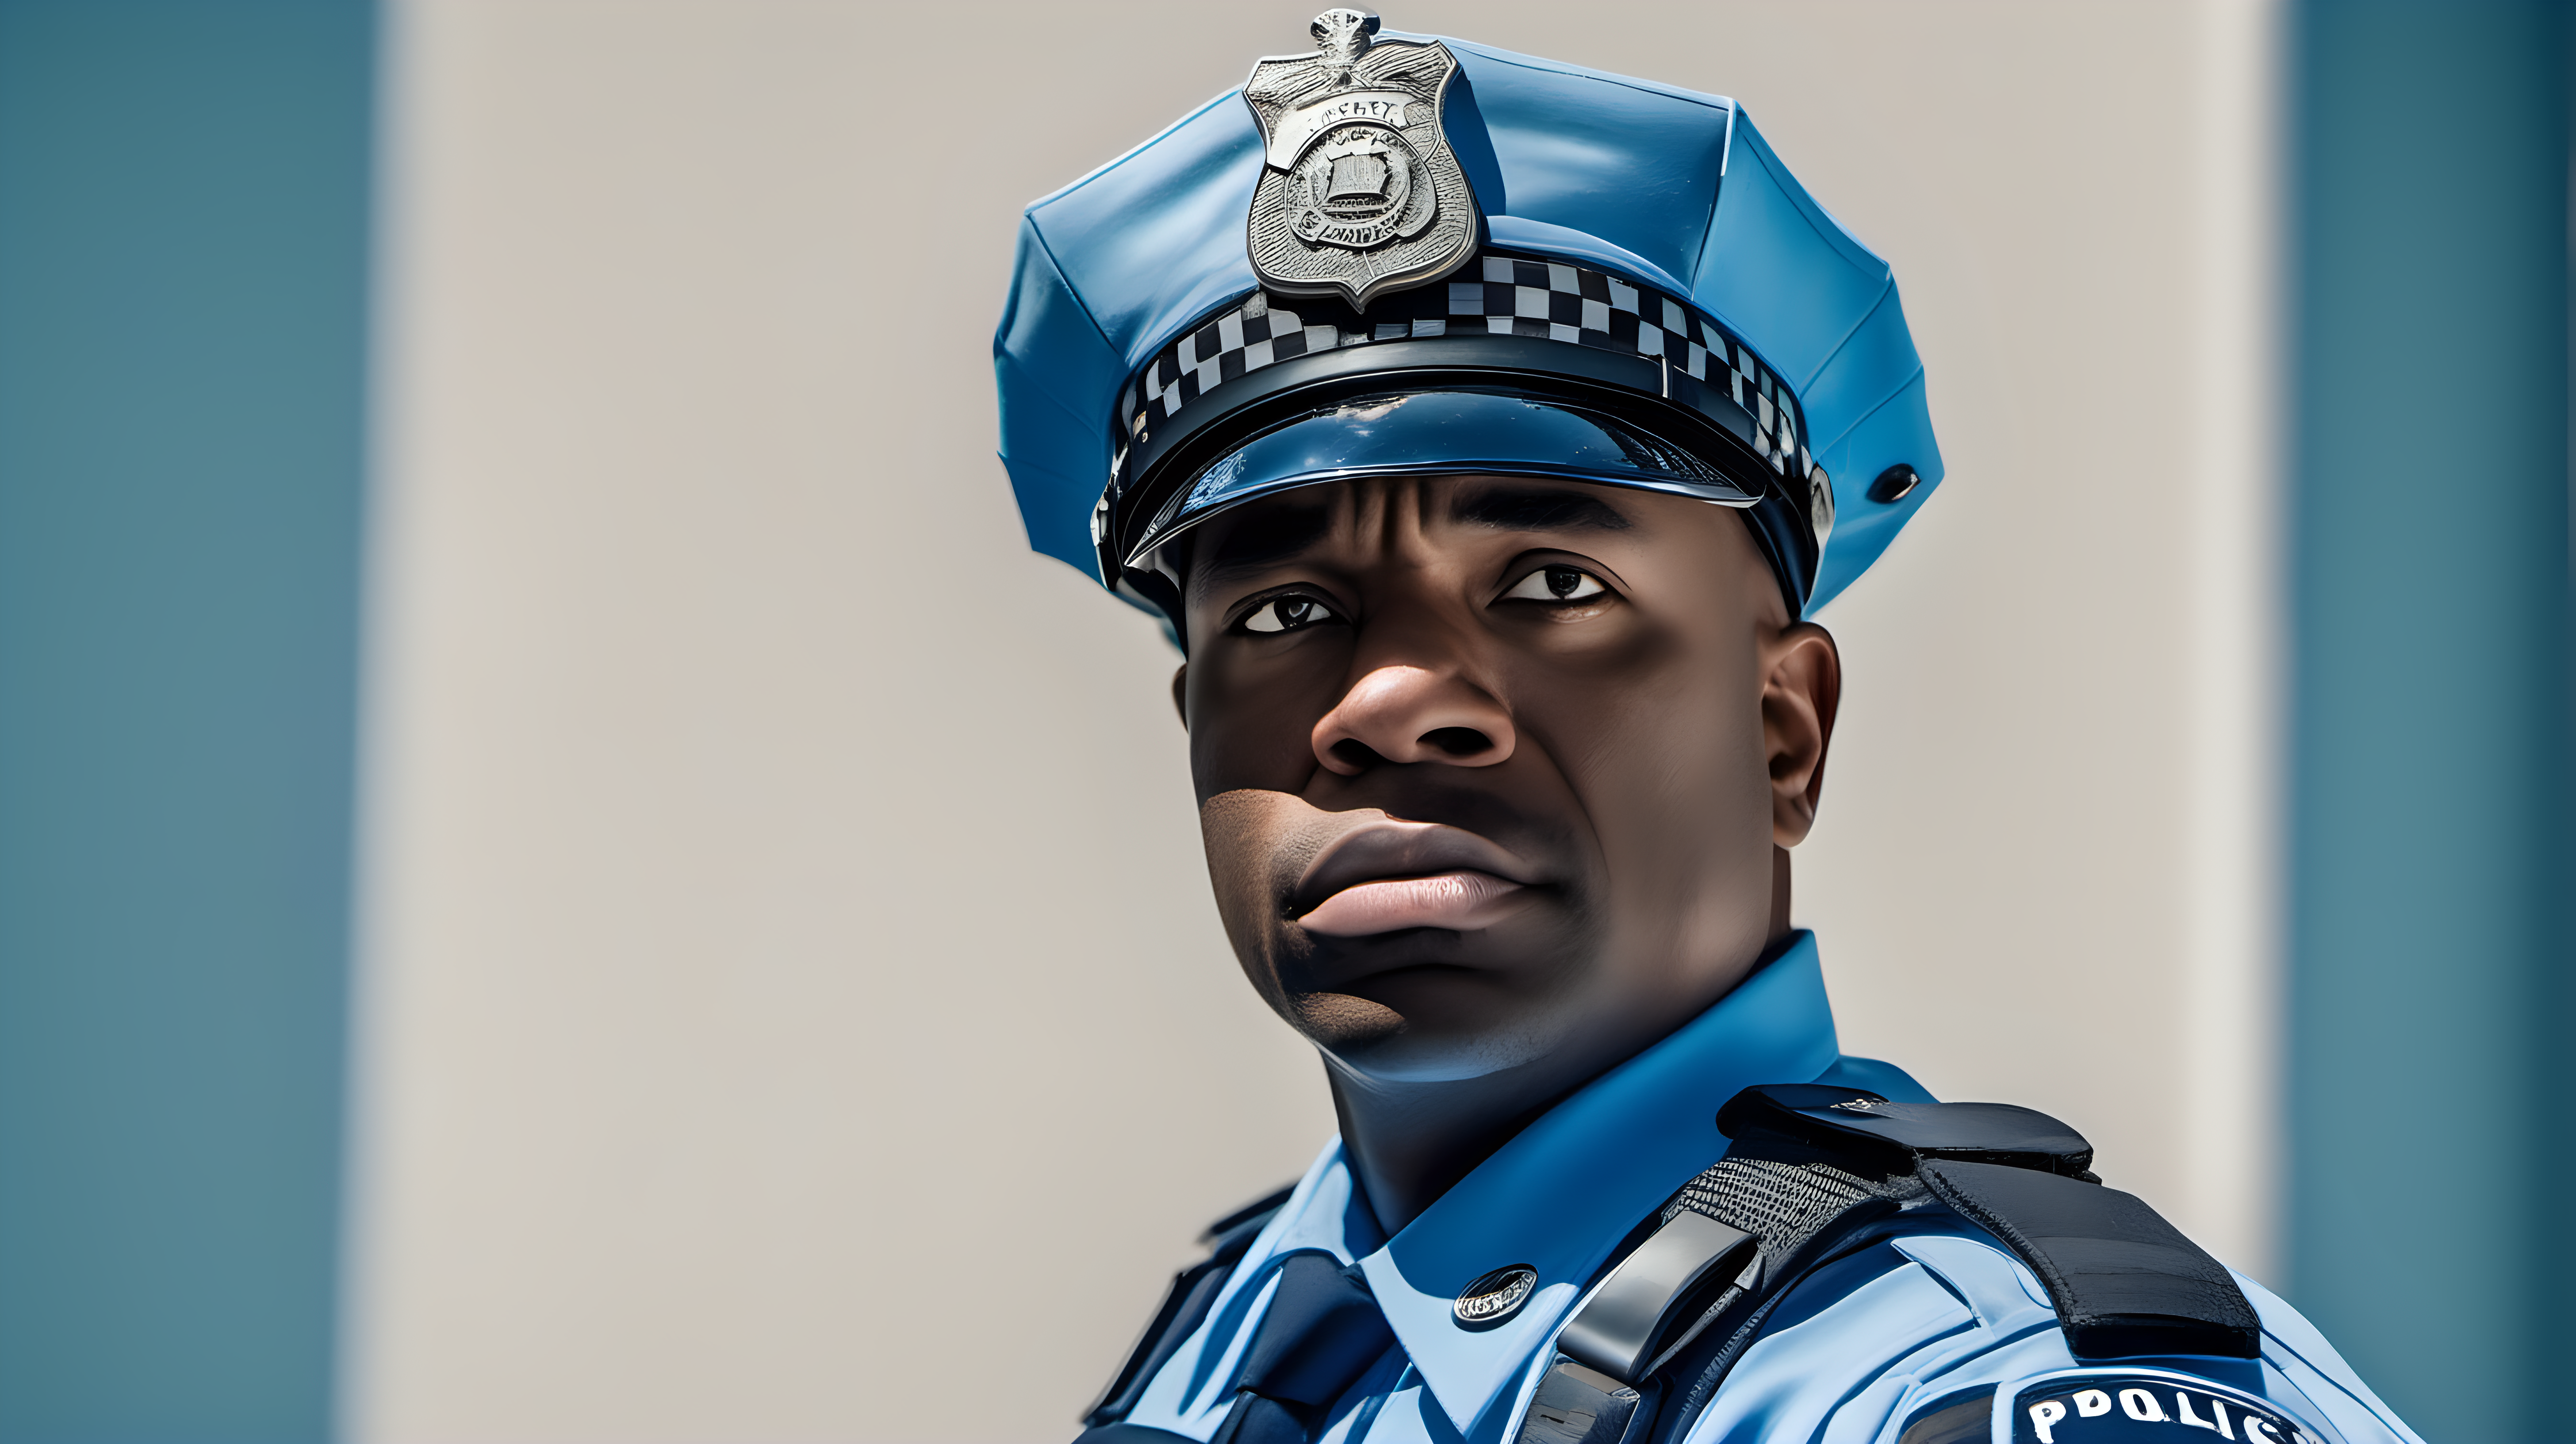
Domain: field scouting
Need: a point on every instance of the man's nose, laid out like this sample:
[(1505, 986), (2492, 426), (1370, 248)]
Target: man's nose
[(1413, 714)]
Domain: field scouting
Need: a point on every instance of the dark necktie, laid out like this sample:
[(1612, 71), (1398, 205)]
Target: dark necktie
[(1322, 1332)]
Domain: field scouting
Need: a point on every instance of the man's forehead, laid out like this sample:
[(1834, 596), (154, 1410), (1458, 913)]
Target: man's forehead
[(1279, 528), (1532, 505)]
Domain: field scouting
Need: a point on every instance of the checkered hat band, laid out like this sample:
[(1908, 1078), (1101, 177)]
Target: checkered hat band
[(1509, 295)]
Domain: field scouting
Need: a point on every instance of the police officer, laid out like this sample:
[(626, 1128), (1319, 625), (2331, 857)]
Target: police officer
[(1484, 429)]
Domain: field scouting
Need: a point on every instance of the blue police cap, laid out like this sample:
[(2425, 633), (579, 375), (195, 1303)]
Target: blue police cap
[(1404, 254)]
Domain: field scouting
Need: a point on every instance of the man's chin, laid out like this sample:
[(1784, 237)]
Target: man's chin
[(1373, 1044)]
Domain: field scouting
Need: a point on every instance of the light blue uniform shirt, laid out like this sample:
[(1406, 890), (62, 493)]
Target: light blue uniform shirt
[(1939, 1313)]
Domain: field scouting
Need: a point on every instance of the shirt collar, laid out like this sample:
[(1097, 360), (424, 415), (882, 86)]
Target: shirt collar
[(1569, 1187)]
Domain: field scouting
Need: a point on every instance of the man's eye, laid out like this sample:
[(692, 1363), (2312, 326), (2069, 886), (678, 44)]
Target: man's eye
[(1286, 614), (1556, 584)]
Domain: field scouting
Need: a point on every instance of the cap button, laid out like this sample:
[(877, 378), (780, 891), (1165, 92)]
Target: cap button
[(1894, 484), (1496, 1296)]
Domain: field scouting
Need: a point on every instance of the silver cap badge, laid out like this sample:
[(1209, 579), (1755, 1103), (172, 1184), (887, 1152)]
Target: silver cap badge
[(1359, 194)]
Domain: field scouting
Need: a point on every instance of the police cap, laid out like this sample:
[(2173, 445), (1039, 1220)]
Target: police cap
[(1398, 254)]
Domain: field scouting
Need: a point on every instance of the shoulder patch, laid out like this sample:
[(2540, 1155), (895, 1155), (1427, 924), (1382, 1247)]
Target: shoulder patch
[(2144, 1406)]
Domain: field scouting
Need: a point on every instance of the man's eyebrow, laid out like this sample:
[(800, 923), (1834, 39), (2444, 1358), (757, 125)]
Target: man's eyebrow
[(1517, 509), (1273, 534)]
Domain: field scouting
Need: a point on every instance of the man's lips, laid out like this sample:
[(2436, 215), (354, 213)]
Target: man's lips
[(1385, 876), (1460, 900)]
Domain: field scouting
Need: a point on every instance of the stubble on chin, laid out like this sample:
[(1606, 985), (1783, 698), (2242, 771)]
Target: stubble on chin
[(1339, 1022)]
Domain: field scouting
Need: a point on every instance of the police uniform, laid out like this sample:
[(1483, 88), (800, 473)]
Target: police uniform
[(1395, 255)]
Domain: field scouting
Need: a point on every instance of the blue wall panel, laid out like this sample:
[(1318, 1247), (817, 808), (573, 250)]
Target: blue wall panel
[(183, 238), (2429, 791)]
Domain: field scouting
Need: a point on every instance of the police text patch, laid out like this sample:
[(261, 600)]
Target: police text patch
[(2144, 1408)]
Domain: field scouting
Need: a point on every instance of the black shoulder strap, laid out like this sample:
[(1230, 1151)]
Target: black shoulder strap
[(1185, 1306), (2124, 1282), (1816, 1173)]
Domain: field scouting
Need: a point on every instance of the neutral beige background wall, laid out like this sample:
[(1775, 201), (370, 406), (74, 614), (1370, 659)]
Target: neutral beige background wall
[(792, 1009)]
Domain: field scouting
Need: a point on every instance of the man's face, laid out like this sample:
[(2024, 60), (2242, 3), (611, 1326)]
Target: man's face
[(1491, 770)]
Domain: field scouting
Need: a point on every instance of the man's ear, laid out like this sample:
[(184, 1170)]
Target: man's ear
[(1802, 686), (1181, 694)]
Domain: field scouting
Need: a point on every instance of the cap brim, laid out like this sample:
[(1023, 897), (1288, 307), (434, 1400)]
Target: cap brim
[(1446, 432)]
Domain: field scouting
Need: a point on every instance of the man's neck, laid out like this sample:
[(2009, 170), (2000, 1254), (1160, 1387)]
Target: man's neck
[(1409, 1143)]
